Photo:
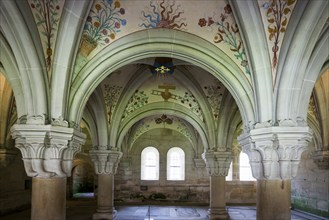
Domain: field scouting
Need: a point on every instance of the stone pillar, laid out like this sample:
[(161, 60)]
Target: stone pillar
[(106, 164), (217, 164), (274, 153), (48, 198), (47, 152)]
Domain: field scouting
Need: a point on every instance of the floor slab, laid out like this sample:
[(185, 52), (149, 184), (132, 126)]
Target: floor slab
[(83, 209)]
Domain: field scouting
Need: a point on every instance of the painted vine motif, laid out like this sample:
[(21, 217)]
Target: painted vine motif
[(228, 32), (312, 107), (163, 15), (277, 11), (142, 128), (192, 103), (111, 95), (138, 100), (182, 128), (214, 94), (103, 23), (46, 13)]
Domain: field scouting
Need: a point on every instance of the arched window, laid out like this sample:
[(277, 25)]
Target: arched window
[(175, 164), (229, 176), (245, 169), (150, 164)]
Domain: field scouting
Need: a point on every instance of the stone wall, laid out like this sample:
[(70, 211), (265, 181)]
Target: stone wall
[(129, 188), (310, 188), (15, 186)]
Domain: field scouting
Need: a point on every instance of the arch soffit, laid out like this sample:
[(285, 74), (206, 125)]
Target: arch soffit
[(31, 70), (97, 106), (161, 108), (193, 140), (90, 121), (306, 54), (11, 72), (66, 48), (258, 54), (168, 43)]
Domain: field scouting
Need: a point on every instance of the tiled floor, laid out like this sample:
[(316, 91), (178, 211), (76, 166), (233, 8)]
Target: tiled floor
[(84, 208)]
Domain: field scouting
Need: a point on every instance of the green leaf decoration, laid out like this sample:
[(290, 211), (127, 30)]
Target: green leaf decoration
[(269, 11), (286, 11), (284, 22), (271, 20), (290, 2)]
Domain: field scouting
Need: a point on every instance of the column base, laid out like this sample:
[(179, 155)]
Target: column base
[(218, 214), (104, 215)]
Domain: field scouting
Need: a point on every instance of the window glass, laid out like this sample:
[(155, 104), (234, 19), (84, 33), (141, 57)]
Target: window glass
[(245, 169), (150, 164), (175, 164)]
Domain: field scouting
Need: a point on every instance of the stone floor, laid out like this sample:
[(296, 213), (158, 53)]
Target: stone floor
[(83, 209)]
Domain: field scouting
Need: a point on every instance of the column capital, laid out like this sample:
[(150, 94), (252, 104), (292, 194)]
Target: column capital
[(105, 161), (217, 162), (275, 152), (321, 159), (47, 150)]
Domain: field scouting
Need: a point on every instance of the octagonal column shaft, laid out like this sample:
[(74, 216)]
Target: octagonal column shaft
[(48, 198), (47, 152), (217, 164), (274, 154), (106, 164), (273, 199)]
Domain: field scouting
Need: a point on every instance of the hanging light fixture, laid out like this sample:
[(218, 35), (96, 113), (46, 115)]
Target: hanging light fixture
[(162, 66)]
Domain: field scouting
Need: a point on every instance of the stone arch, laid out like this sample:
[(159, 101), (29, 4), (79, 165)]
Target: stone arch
[(170, 109), (307, 52), (30, 84), (166, 43)]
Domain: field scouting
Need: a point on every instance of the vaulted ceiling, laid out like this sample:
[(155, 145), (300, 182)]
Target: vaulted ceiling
[(229, 63)]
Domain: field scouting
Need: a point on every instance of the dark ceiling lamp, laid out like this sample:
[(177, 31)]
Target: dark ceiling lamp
[(163, 66), (164, 119)]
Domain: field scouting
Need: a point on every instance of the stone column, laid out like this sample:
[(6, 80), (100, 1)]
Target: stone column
[(106, 164), (217, 164), (274, 153), (48, 152)]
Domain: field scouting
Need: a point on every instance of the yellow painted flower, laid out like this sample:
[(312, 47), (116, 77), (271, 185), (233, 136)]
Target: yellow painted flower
[(117, 4), (112, 36), (98, 7), (96, 24)]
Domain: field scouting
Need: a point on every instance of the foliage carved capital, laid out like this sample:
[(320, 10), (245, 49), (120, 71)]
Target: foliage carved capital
[(47, 150), (217, 163), (275, 152), (105, 161)]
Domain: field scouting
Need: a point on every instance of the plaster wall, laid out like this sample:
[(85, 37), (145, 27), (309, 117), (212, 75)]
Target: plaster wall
[(310, 188), (129, 188), (15, 186)]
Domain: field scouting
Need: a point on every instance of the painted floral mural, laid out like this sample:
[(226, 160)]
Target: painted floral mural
[(111, 95), (138, 100), (103, 23), (163, 15), (227, 32), (214, 94), (47, 16), (276, 13)]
